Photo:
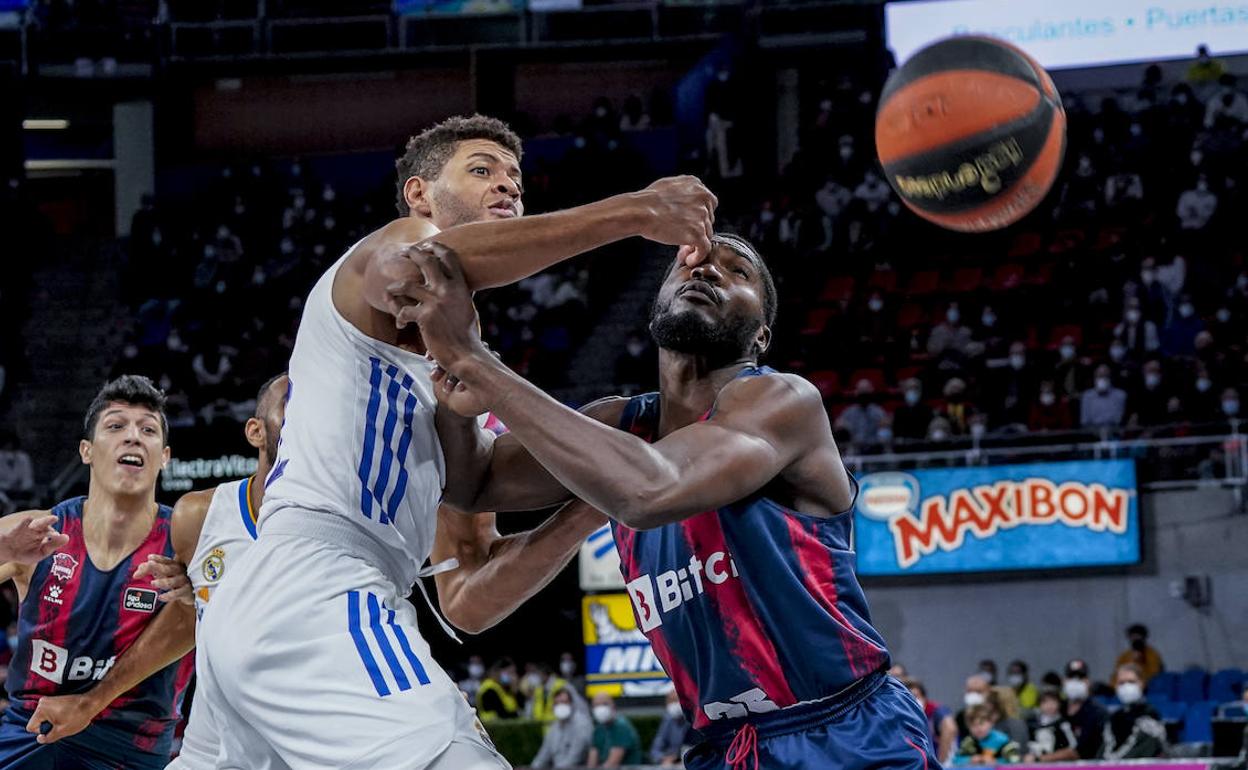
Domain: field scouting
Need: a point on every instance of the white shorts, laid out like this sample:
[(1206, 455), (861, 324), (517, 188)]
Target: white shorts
[(309, 657), (201, 741)]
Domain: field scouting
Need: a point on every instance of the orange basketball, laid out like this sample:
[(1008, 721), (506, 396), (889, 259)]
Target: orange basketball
[(970, 133)]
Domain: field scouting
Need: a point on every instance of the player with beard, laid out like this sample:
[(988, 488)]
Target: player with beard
[(334, 672), (732, 515)]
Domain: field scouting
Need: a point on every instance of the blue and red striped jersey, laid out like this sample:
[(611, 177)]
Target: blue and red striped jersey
[(76, 619), (752, 607)]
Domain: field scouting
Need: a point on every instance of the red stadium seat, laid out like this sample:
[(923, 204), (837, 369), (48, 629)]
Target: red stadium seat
[(1042, 275), (884, 280), (1025, 244), (874, 376), (817, 320), (966, 279), (923, 282), (839, 288), (828, 381), (1066, 330), (1008, 276), (904, 373), (910, 315)]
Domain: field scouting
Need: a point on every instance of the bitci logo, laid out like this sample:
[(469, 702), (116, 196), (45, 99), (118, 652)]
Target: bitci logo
[(140, 600)]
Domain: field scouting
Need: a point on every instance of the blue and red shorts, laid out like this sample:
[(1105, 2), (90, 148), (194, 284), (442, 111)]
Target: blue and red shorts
[(96, 748), (875, 724)]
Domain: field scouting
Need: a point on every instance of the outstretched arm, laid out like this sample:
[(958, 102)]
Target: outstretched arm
[(168, 637), (498, 573), (29, 537)]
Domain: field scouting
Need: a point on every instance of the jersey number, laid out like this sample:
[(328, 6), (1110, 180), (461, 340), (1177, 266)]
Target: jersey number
[(753, 701)]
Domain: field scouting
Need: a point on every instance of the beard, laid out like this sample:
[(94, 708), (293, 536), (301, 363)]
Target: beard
[(454, 211), (692, 333)]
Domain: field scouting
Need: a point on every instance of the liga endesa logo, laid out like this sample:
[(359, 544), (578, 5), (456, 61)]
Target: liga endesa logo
[(941, 522)]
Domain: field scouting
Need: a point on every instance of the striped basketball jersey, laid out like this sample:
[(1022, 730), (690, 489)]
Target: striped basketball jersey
[(752, 607), (75, 621), (359, 441), (228, 530)]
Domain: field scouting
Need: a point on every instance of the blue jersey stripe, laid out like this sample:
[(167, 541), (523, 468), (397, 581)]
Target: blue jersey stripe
[(244, 505), (383, 641), (387, 437), (370, 438), (361, 645), (405, 443), (404, 645)]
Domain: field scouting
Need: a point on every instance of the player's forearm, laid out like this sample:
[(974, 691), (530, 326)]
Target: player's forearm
[(503, 252), (164, 641), (518, 567), (614, 471), (466, 451)]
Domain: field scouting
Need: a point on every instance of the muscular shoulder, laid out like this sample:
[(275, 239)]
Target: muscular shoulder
[(188, 520), (789, 398)]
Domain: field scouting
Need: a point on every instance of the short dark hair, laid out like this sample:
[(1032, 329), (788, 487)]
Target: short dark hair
[(1137, 629), (426, 153), (265, 389), (131, 389), (980, 713), (915, 684)]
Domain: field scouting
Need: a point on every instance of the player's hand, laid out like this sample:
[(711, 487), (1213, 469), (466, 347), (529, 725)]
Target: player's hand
[(443, 308), (169, 576), (69, 715), (680, 212), (31, 541), (456, 396), (400, 272)]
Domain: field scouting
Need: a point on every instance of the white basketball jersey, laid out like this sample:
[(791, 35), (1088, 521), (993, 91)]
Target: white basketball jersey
[(228, 531), (359, 439)]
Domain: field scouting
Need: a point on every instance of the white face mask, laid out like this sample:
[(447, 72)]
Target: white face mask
[(1203, 384), (1102, 384), (953, 316), (1186, 310), (567, 668), (673, 710), (476, 670), (1152, 380), (1075, 689), (912, 397), (1117, 352), (1224, 315), (875, 305), (562, 711), (602, 714), (1068, 352), (988, 319), (1133, 316), (938, 435), (977, 429), (1230, 407), (972, 699), (1015, 680), (1017, 361), (1129, 692), (1047, 398)]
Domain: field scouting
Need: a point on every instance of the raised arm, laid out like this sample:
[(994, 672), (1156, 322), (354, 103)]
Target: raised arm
[(166, 639), (498, 573)]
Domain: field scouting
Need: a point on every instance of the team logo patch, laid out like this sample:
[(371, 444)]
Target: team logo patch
[(63, 566), (140, 600), (214, 565)]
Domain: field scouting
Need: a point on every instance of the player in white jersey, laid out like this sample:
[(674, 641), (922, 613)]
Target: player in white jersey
[(210, 529), (309, 653)]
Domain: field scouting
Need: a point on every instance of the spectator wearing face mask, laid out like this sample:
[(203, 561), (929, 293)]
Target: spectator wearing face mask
[(1014, 387), (1202, 399), (616, 742), (1197, 205), (910, 420), (940, 721), (1179, 336), (1018, 677), (985, 745), (1230, 405), (958, 411), (1149, 400), (1069, 373), (1086, 716), (499, 696), (472, 684), (1141, 654), (542, 691), (673, 735), (1102, 405), (1049, 411), (567, 670), (1050, 729), (567, 742), (950, 336), (1227, 100), (1135, 731), (863, 418), (1136, 333), (975, 694), (1236, 709)]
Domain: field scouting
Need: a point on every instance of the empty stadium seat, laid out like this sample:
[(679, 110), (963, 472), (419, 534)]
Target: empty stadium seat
[(910, 315), (839, 288), (1226, 685), (923, 282), (1008, 276), (1066, 330), (1165, 684), (828, 381), (884, 280), (1198, 722), (966, 279), (1171, 711), (1193, 685), (817, 320), (874, 376)]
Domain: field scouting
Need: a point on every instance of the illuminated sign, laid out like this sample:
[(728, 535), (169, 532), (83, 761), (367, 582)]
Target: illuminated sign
[(618, 659), (1012, 517)]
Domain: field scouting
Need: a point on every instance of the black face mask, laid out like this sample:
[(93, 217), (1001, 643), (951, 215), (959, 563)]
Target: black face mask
[(1138, 644)]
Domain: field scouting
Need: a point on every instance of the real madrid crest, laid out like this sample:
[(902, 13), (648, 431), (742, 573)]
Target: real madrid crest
[(214, 565)]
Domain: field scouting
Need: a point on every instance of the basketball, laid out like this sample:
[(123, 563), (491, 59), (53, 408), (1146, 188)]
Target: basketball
[(970, 133)]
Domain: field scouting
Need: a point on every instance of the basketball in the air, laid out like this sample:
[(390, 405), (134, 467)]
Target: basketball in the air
[(970, 133)]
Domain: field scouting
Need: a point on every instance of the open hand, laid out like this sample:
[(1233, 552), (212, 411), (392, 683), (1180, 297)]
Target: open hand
[(681, 212), (169, 576), (32, 541)]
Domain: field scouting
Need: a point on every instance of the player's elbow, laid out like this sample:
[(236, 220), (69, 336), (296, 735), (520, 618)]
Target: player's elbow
[(646, 507), (464, 616)]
